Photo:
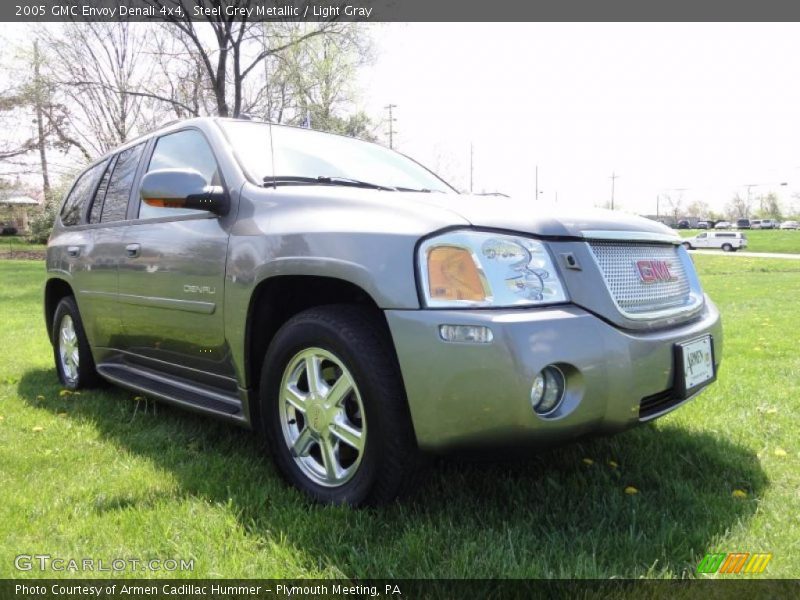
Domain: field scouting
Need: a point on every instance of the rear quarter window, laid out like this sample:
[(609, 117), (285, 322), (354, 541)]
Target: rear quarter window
[(82, 192)]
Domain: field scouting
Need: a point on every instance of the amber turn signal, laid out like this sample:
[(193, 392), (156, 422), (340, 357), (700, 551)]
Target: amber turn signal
[(453, 275)]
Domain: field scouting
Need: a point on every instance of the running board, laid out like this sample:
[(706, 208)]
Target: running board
[(175, 391)]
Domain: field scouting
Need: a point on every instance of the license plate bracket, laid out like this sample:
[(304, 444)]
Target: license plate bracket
[(695, 366)]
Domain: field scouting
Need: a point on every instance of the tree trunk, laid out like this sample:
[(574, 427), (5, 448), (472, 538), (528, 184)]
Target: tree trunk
[(40, 122)]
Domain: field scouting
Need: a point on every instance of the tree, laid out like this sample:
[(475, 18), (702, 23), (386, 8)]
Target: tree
[(738, 208), (231, 49), (674, 203), (697, 208), (770, 207), (99, 70)]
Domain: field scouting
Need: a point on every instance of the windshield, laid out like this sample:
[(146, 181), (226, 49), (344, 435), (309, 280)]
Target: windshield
[(307, 157)]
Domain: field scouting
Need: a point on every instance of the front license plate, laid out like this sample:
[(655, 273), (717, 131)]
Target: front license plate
[(694, 365)]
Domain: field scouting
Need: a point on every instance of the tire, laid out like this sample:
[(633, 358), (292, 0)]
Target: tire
[(687, 245), (349, 345), (727, 247), (75, 367)]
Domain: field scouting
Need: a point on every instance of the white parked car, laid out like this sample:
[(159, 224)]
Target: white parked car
[(728, 240), (769, 224), (723, 225), (790, 225)]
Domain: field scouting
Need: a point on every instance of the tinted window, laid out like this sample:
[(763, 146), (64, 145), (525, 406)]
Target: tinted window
[(183, 150), (119, 186), (100, 194), (702, 235), (80, 195)]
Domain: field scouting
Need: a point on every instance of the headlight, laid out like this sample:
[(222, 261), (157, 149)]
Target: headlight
[(478, 268)]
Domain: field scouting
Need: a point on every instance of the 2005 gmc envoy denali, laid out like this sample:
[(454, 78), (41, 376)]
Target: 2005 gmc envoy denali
[(347, 302)]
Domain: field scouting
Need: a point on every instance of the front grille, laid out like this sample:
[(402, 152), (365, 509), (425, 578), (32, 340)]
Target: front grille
[(617, 261)]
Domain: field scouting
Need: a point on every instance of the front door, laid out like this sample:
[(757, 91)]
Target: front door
[(172, 278)]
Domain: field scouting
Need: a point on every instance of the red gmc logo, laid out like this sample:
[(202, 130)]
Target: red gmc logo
[(651, 271)]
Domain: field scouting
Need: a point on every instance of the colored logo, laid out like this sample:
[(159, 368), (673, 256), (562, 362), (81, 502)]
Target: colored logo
[(734, 562), (652, 271)]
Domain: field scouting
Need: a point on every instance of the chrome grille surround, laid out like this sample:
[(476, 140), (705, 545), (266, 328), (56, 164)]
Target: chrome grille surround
[(634, 298)]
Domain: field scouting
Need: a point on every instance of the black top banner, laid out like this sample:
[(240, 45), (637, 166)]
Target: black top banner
[(399, 10)]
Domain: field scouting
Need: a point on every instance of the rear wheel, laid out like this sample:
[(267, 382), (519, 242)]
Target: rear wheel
[(333, 408), (727, 247), (73, 357)]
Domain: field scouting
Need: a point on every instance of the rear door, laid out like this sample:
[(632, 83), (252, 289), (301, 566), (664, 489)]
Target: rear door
[(72, 251), (107, 219), (172, 278)]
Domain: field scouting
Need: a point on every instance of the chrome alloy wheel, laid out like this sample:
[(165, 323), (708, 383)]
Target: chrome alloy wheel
[(322, 417), (68, 348)]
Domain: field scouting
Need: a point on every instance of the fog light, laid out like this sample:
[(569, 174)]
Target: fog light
[(547, 390), (466, 333)]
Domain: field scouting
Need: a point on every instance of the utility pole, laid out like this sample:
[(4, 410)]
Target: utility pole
[(389, 107), (471, 165), (614, 178)]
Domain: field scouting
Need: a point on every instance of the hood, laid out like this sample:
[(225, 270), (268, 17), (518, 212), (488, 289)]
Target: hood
[(544, 219)]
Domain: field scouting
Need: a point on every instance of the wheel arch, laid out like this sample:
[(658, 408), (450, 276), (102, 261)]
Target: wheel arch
[(55, 289), (277, 299)]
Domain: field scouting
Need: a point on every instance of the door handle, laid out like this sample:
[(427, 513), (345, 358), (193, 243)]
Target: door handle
[(73, 251), (132, 250)]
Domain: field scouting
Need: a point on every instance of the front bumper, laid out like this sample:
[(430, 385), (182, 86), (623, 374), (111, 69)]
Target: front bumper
[(464, 395)]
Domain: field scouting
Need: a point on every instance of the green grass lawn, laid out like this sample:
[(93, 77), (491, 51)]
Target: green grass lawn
[(90, 476), (9, 245), (766, 240)]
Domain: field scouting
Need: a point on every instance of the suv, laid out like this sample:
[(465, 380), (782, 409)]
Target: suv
[(742, 223), (729, 241), (768, 224), (359, 312)]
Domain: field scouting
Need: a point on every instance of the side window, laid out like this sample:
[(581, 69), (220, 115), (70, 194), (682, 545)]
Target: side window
[(100, 194), (702, 236), (182, 150), (119, 186), (81, 193)]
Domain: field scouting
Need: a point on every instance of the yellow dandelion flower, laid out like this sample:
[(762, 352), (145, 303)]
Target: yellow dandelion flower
[(2, 418), (630, 490), (37, 429), (588, 461), (40, 398), (772, 411), (63, 393), (739, 494), (612, 464), (780, 452)]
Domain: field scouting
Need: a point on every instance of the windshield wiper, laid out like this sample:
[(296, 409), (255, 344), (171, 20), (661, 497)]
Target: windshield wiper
[(421, 190), (323, 180)]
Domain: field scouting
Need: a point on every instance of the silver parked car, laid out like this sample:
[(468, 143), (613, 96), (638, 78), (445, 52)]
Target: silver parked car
[(349, 304)]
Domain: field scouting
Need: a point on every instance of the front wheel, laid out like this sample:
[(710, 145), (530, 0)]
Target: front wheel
[(333, 408), (73, 357)]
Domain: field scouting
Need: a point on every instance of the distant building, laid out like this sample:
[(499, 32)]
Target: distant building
[(14, 211)]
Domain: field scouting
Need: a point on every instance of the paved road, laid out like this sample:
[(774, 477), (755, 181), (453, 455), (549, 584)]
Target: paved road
[(748, 254)]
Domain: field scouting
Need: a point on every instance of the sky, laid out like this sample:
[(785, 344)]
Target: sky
[(703, 108)]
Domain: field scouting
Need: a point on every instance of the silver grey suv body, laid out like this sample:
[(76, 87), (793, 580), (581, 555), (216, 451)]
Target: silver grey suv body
[(348, 303)]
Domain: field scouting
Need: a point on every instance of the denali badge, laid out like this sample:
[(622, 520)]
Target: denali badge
[(651, 271)]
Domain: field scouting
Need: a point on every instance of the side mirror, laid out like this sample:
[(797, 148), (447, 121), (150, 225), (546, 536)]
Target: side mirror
[(182, 188)]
